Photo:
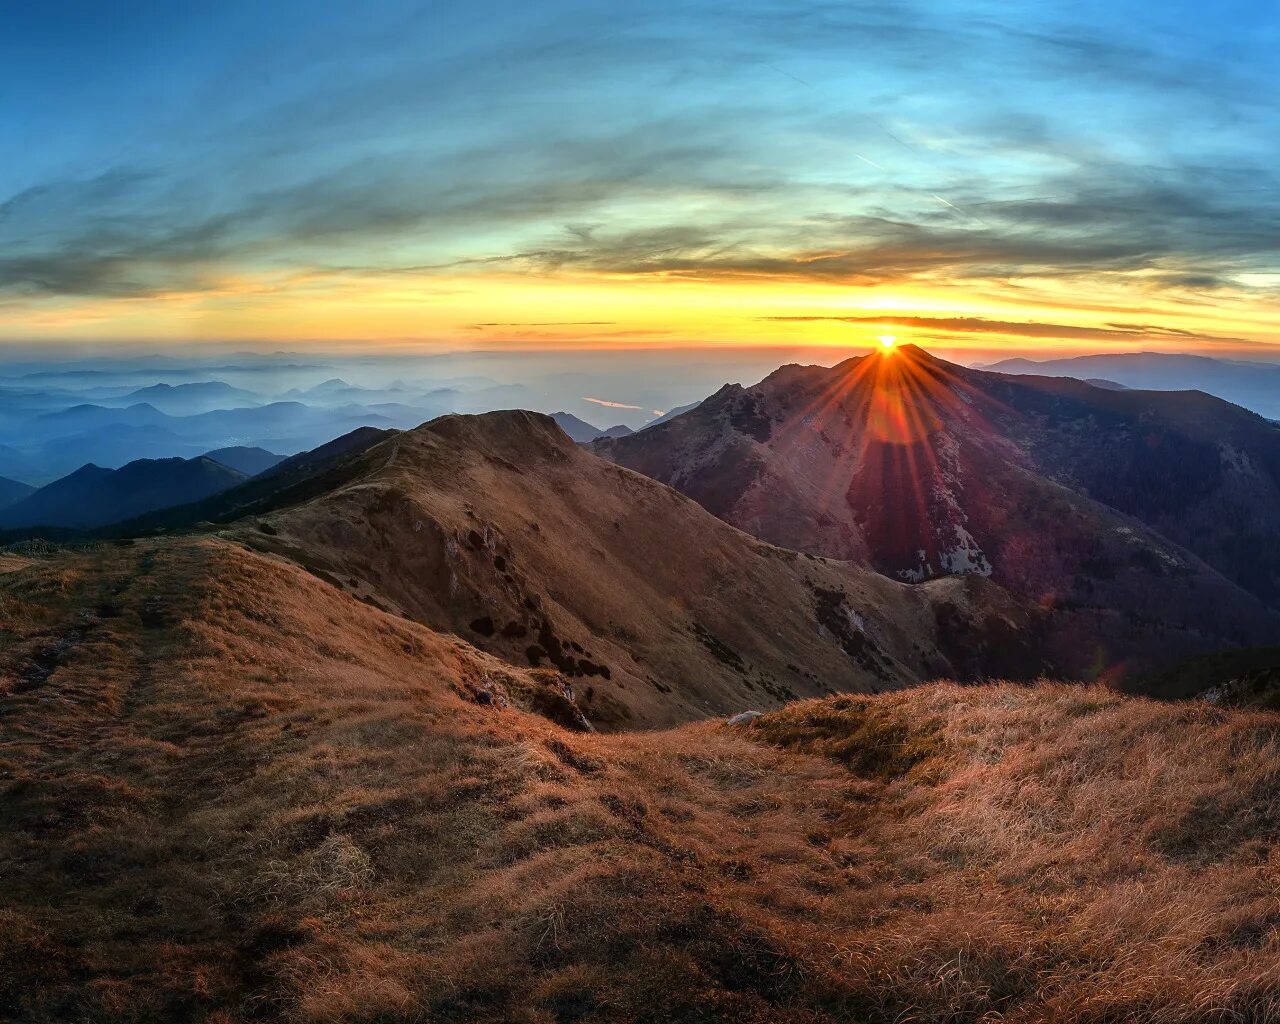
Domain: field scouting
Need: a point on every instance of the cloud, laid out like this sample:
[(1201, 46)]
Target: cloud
[(1021, 329), (611, 405), (984, 149), (548, 323)]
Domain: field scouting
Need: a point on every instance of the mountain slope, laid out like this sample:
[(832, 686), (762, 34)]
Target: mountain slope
[(671, 414), (502, 530), (921, 468), (578, 429), (249, 461), (231, 792), (1253, 385), (13, 491), (298, 478), (93, 496)]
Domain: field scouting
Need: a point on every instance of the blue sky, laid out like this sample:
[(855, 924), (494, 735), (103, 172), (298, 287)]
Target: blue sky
[(160, 151)]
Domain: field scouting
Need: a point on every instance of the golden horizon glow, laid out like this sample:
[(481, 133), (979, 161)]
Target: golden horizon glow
[(557, 310)]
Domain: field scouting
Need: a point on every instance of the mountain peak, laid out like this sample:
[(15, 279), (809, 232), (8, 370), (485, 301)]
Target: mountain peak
[(510, 431)]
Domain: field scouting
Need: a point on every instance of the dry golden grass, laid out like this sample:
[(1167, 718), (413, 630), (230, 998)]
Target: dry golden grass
[(241, 795)]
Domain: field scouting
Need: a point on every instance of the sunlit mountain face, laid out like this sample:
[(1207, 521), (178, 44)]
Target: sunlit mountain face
[(986, 181), (1104, 509)]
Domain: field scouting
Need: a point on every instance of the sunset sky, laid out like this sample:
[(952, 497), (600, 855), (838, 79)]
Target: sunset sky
[(983, 177)]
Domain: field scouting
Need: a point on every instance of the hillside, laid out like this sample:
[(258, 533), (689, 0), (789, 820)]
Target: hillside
[(294, 479), (1148, 523), (13, 491), (93, 496), (499, 529), (249, 461), (231, 792), (582, 431)]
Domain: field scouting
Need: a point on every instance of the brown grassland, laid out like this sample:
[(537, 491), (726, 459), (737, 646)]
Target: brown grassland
[(231, 792)]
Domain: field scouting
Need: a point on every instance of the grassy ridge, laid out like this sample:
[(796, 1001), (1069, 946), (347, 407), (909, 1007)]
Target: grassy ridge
[(230, 792)]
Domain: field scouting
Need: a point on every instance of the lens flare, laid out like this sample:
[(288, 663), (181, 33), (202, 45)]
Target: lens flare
[(888, 340)]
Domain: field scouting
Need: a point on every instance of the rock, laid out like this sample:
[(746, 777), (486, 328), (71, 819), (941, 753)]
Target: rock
[(744, 717)]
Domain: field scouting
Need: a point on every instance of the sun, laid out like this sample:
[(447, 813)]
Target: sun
[(888, 340)]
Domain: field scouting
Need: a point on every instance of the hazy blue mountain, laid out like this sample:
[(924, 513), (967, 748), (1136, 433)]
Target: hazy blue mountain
[(110, 446), (16, 464), (199, 396), (86, 417), (297, 478), (13, 491), (1253, 385), (249, 461), (94, 496), (47, 446), (578, 429)]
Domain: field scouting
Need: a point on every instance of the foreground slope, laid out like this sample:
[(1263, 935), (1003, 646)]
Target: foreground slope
[(230, 792), (1148, 522), (500, 529)]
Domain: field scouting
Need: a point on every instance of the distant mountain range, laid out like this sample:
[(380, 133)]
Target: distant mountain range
[(297, 478), (93, 496), (12, 491), (46, 433), (1254, 385), (186, 399)]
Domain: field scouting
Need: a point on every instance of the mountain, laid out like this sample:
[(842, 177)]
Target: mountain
[(93, 496), (500, 529), (233, 792), (198, 396), (1147, 523), (60, 442), (249, 461), (671, 414), (578, 429), (12, 491), (582, 431), (297, 478), (1254, 385), (14, 463), (111, 445), (88, 417)]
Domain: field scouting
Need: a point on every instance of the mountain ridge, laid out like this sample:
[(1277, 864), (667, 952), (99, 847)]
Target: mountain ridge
[(92, 496), (499, 528), (919, 467)]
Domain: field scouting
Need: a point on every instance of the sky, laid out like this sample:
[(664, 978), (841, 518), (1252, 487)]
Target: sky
[(984, 178)]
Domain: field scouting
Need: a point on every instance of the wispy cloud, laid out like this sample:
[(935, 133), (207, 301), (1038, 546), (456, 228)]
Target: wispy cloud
[(1019, 329), (860, 144), (547, 323)]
